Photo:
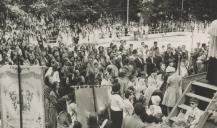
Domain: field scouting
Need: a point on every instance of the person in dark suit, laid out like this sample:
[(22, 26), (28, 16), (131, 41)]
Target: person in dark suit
[(150, 63), (140, 63), (168, 57), (184, 53), (157, 59)]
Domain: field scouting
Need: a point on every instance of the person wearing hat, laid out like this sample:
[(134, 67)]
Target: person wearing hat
[(192, 116), (135, 121), (173, 88)]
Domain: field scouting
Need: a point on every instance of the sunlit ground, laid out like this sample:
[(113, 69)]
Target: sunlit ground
[(175, 38)]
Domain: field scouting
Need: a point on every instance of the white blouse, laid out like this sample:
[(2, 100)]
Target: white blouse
[(53, 78), (128, 108), (117, 102)]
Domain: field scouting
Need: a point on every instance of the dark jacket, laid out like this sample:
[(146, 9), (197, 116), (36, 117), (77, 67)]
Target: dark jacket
[(139, 64)]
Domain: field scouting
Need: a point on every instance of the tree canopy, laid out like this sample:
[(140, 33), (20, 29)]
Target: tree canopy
[(93, 9)]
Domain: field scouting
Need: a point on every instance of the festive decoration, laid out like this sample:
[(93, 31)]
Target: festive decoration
[(32, 94)]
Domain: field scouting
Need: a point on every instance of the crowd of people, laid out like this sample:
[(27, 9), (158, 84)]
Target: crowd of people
[(150, 75), (30, 29), (144, 81), (188, 26)]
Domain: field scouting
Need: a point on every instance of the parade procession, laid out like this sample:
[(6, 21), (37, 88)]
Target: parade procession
[(108, 64)]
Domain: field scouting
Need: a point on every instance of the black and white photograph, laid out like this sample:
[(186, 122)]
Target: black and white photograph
[(108, 63)]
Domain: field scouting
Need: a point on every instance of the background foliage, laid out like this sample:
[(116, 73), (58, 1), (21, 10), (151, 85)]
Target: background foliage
[(91, 10)]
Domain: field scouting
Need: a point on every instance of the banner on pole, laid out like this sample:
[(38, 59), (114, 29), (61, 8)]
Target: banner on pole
[(10, 108), (32, 94), (85, 102), (91, 101), (102, 98)]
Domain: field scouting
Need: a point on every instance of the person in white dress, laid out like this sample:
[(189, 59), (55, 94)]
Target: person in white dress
[(173, 90)]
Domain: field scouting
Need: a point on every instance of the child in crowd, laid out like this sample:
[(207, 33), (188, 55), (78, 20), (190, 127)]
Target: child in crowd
[(192, 116), (155, 109)]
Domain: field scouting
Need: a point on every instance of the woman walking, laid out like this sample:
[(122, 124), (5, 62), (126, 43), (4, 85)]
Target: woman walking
[(172, 92)]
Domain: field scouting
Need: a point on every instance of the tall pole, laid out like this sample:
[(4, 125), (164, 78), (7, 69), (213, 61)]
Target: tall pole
[(128, 5), (20, 92), (192, 40), (182, 9)]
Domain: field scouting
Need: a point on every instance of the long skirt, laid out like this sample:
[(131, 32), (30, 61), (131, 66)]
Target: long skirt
[(171, 96), (117, 118)]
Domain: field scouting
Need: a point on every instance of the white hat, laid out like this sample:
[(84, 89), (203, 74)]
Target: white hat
[(170, 69), (155, 100)]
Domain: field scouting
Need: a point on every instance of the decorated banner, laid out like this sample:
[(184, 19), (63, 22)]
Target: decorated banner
[(32, 97), (9, 97)]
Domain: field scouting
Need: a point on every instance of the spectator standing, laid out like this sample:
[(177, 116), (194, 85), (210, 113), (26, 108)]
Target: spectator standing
[(117, 106)]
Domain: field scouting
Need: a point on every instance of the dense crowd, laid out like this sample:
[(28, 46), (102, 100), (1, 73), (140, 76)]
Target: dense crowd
[(143, 73), (148, 75)]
